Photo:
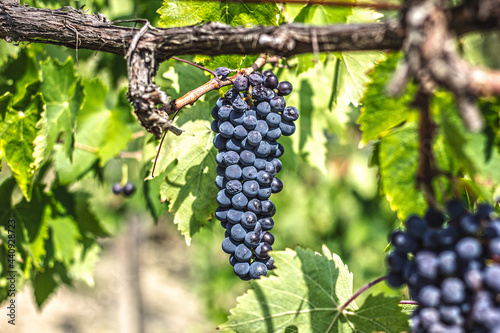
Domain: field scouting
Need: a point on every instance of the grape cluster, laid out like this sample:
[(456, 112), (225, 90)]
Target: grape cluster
[(452, 270), (248, 120)]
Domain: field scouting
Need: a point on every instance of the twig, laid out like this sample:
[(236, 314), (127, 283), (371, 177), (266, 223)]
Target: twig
[(425, 173), (136, 155), (408, 302), (360, 291), (70, 27), (195, 65), (158, 154), (192, 96), (82, 146)]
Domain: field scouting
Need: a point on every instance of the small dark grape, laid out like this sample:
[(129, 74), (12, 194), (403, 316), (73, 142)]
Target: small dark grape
[(284, 88), (117, 188)]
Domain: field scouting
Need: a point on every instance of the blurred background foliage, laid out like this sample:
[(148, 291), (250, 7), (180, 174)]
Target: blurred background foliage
[(331, 196)]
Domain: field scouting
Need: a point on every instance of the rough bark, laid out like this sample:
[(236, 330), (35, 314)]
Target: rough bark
[(75, 28)]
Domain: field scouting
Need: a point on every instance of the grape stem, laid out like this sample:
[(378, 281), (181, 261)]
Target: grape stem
[(360, 291), (408, 302), (189, 98), (195, 65), (192, 96)]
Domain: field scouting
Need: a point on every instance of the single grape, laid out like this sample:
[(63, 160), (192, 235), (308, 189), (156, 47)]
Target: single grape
[(242, 252), (290, 113), (284, 88), (263, 149), (214, 126), (492, 277), (220, 182), (255, 78), (268, 208), (254, 206), (260, 164), (249, 173), (224, 112), (219, 142), (494, 246), (117, 188), (250, 122), (233, 187), (248, 220), (239, 201), (277, 103), (264, 193), (267, 223), (276, 185), (252, 239), (234, 216), (453, 290), (236, 118), (273, 119), (240, 83), (241, 268), (273, 134), (240, 132), (267, 237), (264, 178), (262, 127), (429, 296), (287, 128), (233, 172), (223, 198), (239, 105), (222, 72), (233, 144), (221, 214), (251, 188), (262, 250), (263, 109), (229, 245), (215, 112), (271, 81), (468, 248), (238, 232), (257, 269), (254, 138), (231, 158), (247, 157)]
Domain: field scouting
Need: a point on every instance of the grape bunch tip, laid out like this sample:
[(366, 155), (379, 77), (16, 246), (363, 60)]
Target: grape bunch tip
[(452, 270), (249, 120)]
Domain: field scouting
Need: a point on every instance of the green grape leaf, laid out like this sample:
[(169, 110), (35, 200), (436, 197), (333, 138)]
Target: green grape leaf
[(33, 218), (353, 78), (187, 164), (380, 314), (83, 268), (398, 163), (321, 15), (102, 133), (65, 237), (63, 94), (306, 297), (17, 135), (8, 51), (44, 284), (176, 13), (20, 71), (183, 13), (380, 113)]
